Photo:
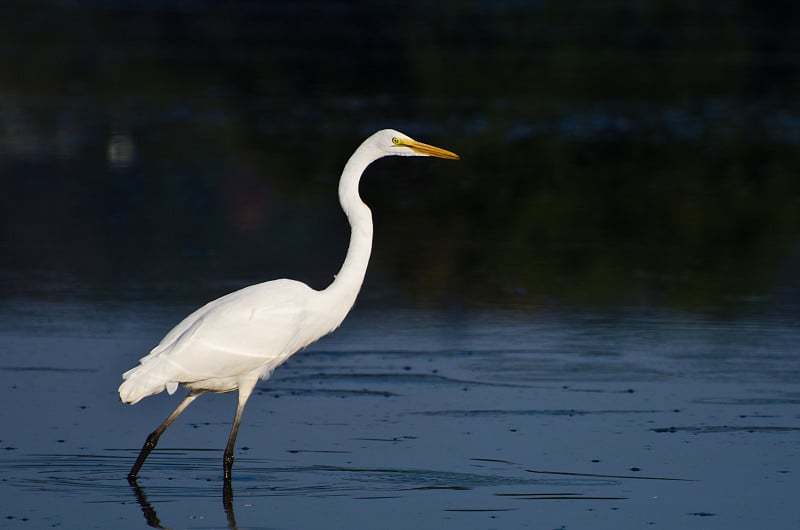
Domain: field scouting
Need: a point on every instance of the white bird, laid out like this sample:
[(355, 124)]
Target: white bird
[(232, 342)]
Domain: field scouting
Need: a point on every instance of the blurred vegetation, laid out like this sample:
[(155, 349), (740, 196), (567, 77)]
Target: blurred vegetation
[(640, 153)]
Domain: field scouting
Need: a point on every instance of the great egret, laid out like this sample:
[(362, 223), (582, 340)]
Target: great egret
[(232, 342)]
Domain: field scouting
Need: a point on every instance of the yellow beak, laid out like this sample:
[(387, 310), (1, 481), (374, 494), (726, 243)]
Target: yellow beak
[(429, 150)]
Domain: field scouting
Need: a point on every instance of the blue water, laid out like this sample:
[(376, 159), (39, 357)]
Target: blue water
[(402, 419)]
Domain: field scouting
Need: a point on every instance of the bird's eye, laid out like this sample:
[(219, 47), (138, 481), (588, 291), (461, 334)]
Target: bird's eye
[(396, 141)]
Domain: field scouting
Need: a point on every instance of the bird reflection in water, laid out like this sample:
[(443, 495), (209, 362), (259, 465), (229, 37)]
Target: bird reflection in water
[(151, 516)]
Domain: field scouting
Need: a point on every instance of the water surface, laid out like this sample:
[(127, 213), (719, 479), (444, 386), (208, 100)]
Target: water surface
[(472, 419)]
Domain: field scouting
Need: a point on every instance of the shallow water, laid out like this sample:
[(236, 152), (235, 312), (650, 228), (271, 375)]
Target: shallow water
[(407, 419), (591, 320)]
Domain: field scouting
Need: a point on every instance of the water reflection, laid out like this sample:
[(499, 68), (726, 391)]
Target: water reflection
[(151, 516), (149, 512)]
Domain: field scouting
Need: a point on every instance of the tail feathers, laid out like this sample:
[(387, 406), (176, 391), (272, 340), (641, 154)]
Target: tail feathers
[(141, 382)]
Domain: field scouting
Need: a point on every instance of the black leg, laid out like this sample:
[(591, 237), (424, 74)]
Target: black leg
[(245, 388), (152, 440), (227, 460)]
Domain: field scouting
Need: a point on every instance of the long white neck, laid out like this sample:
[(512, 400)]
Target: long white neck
[(346, 285)]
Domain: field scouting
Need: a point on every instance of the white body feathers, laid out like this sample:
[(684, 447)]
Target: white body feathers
[(245, 333)]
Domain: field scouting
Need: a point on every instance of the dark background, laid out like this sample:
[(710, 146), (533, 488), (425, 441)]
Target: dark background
[(615, 153)]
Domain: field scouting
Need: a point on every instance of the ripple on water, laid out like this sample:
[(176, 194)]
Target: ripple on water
[(196, 473)]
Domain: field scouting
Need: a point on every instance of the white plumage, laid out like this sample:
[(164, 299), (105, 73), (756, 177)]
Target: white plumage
[(232, 342), (254, 329)]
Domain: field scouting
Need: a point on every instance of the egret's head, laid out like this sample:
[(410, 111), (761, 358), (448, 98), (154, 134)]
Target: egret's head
[(398, 144)]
